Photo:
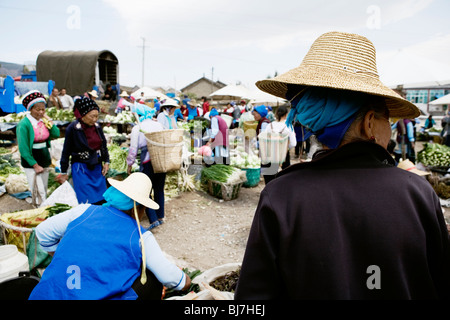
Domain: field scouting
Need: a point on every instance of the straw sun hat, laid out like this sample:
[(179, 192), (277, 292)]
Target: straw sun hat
[(345, 61), (409, 166), (136, 186)]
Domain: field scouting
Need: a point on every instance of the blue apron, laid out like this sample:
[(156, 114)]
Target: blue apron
[(89, 185), (99, 257)]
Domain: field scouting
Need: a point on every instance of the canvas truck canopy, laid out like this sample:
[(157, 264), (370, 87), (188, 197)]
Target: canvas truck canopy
[(78, 71)]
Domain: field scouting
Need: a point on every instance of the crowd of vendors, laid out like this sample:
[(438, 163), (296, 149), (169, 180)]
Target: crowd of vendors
[(322, 227)]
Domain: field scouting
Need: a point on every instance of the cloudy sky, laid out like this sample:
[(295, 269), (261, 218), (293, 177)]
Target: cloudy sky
[(229, 40)]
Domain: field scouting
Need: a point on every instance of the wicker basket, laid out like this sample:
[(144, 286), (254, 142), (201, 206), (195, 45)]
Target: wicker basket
[(253, 177), (165, 149), (224, 191)]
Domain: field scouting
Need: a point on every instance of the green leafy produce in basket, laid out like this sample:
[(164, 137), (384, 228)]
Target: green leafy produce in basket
[(221, 173), (434, 154)]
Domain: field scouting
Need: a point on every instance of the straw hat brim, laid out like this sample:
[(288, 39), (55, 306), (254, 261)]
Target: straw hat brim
[(345, 61), (135, 192), (318, 76)]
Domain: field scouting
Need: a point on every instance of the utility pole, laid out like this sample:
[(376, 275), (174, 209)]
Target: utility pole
[(143, 59), (212, 79)]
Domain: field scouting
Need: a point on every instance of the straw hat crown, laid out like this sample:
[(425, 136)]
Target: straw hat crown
[(136, 186), (344, 61)]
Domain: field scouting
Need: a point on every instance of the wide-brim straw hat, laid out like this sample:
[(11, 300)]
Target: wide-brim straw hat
[(170, 103), (124, 94), (136, 186), (408, 165), (344, 61)]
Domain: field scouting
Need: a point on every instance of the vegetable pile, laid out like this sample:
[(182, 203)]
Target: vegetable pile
[(227, 282), (123, 117), (8, 166), (223, 173), (242, 159), (13, 117), (117, 158), (60, 114), (57, 208), (434, 154)]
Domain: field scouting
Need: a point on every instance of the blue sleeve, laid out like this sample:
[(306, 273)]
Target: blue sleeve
[(410, 131)]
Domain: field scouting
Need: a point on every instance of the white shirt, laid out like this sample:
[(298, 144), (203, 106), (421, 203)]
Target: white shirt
[(66, 101), (138, 140), (164, 118), (51, 230)]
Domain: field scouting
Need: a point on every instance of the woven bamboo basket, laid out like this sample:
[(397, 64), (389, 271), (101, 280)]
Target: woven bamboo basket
[(165, 149)]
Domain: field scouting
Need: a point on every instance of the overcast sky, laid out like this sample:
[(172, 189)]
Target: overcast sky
[(229, 40)]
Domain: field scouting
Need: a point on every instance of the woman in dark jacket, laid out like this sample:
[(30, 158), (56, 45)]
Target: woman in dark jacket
[(349, 224), (85, 146)]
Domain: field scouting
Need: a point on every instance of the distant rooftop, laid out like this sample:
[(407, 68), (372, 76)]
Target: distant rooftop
[(425, 84)]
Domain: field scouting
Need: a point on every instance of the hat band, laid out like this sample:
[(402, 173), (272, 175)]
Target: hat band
[(33, 102)]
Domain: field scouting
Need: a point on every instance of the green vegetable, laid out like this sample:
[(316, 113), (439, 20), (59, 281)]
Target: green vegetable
[(58, 208), (217, 172), (117, 158), (193, 287), (434, 154)]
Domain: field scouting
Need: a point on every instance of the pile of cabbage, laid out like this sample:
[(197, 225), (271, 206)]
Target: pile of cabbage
[(241, 159), (123, 117)]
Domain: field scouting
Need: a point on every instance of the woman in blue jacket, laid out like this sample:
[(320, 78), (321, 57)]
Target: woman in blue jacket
[(85, 147)]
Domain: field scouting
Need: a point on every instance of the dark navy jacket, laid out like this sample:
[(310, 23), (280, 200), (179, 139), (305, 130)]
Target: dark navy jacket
[(76, 147), (347, 225)]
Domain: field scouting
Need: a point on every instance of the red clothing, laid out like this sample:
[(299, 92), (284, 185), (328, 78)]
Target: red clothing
[(93, 139), (205, 107), (221, 138)]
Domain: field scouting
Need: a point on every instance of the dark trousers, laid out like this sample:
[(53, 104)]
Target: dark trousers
[(158, 181), (284, 165), (151, 290)]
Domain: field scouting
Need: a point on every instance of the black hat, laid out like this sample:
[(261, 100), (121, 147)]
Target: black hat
[(84, 105)]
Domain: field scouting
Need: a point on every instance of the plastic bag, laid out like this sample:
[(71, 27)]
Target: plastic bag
[(63, 194), (37, 257)]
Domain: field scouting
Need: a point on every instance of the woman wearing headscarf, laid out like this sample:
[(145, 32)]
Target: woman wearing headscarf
[(34, 133), (85, 147), (102, 252), (348, 224), (218, 138), (138, 142), (166, 114)]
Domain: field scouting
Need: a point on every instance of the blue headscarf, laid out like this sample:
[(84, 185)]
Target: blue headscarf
[(115, 198), (144, 111), (262, 110), (213, 112), (326, 113)]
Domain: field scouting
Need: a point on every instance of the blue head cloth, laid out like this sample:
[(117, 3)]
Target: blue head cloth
[(213, 112), (115, 198), (144, 111), (326, 113), (262, 110)]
